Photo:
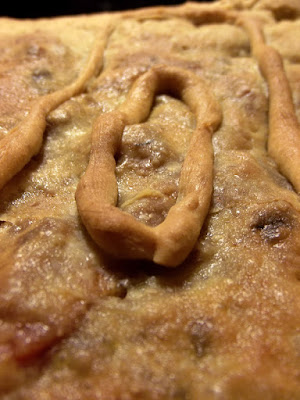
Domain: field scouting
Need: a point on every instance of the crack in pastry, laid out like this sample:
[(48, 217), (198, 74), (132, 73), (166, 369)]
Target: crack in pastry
[(119, 233)]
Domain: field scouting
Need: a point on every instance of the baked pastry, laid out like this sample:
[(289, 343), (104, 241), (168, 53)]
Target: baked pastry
[(150, 216)]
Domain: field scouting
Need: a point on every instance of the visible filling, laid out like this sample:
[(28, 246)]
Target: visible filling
[(150, 159), (217, 327), (273, 225)]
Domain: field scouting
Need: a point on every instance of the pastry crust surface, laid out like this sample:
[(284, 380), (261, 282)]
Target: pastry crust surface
[(109, 123)]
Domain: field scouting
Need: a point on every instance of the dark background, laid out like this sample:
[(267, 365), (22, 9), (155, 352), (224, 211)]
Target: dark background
[(48, 8)]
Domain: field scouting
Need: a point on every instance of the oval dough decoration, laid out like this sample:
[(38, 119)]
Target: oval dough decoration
[(284, 129), (119, 233), (25, 140)]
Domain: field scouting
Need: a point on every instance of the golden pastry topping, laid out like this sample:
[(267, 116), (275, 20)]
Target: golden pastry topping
[(171, 241), (25, 140), (118, 232), (182, 151), (125, 237), (284, 128)]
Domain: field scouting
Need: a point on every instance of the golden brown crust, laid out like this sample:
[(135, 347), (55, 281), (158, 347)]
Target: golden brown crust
[(77, 323), (121, 234), (284, 129), (25, 140)]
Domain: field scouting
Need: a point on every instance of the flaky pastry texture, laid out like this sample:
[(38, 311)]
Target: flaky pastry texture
[(135, 141)]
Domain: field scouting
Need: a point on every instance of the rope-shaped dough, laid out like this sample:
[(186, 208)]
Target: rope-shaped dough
[(120, 233), (25, 140), (284, 129), (192, 11)]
